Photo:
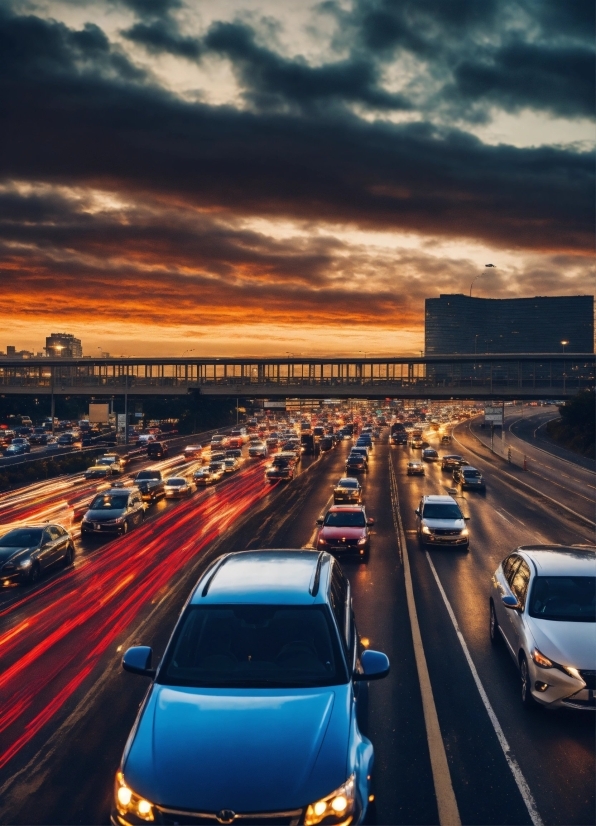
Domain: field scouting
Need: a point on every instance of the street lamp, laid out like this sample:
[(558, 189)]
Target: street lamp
[(564, 344), (479, 274)]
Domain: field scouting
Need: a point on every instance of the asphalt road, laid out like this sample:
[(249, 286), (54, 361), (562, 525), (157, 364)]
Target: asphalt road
[(68, 707)]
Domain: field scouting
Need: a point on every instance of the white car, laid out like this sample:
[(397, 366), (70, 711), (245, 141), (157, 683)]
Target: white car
[(542, 605), (441, 523), (177, 486), (258, 449)]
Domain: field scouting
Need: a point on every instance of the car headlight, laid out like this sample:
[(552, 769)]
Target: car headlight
[(541, 660), (322, 540), (362, 541), (339, 805), (545, 662), (25, 563), (425, 529), (129, 803), (465, 532)]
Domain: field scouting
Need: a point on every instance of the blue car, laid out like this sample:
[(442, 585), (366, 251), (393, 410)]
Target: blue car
[(251, 716)]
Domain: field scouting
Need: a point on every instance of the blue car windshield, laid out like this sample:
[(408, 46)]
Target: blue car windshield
[(262, 646), (564, 598)]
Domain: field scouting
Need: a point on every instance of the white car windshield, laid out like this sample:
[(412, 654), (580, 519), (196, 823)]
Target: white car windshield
[(564, 598), (447, 511)]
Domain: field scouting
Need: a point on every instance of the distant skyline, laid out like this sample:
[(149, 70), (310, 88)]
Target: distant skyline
[(228, 177)]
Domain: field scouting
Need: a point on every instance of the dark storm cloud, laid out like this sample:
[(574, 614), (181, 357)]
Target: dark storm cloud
[(560, 80), (148, 9), (76, 112), (163, 36), (508, 53)]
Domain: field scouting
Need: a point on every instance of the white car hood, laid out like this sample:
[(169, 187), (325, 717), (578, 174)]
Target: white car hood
[(567, 643), (445, 524)]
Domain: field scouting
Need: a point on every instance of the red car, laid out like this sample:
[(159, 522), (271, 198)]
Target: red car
[(345, 529)]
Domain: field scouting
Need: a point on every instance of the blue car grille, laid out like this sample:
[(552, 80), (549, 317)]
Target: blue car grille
[(179, 818)]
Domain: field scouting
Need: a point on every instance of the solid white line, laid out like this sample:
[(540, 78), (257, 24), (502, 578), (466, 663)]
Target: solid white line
[(519, 482), (445, 796), (518, 776)]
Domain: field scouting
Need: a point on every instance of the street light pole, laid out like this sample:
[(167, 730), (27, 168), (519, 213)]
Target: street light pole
[(478, 276), (564, 344)]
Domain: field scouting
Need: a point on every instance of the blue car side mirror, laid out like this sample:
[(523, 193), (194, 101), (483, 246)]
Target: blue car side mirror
[(511, 602), (375, 666), (137, 660)]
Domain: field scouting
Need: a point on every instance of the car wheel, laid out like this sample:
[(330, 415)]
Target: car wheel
[(526, 688), (493, 625), (69, 556)]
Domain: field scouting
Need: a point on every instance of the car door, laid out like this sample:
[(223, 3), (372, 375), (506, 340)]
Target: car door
[(61, 542), (517, 576), (47, 548), (137, 508)]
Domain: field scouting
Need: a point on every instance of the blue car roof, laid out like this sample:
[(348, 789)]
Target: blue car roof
[(266, 577)]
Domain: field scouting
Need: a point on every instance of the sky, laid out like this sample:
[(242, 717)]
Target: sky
[(218, 177)]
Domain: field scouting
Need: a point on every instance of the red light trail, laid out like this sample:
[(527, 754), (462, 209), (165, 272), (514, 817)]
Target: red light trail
[(47, 657)]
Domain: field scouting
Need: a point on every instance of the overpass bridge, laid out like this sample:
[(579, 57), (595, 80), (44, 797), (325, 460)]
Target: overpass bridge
[(503, 376)]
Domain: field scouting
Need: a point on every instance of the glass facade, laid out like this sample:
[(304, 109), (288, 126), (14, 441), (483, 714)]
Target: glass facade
[(460, 324)]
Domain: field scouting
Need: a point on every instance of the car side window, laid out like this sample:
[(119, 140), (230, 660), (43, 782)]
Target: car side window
[(510, 566), (47, 536), (339, 596), (519, 583)]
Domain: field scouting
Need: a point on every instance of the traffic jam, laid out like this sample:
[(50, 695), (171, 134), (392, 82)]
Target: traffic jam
[(260, 581)]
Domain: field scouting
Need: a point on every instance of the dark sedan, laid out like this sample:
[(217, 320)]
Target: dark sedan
[(26, 552), (356, 463), (452, 461), (114, 511)]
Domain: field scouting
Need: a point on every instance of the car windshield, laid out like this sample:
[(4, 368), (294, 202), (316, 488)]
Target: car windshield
[(268, 646), (175, 482), (447, 511), (345, 519), (21, 538), (108, 501), (564, 598), (348, 483), (106, 460), (471, 473), (148, 474)]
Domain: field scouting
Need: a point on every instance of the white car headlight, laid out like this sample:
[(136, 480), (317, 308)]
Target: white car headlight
[(127, 802), (362, 541), (338, 805), (425, 529), (465, 532), (25, 563)]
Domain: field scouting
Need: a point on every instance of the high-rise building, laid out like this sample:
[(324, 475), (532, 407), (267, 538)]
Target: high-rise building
[(459, 324), (63, 345)]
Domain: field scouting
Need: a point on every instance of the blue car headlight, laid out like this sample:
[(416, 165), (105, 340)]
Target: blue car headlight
[(337, 807), (129, 803)]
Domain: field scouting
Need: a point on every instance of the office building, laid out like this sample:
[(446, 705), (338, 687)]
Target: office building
[(63, 345), (459, 324)]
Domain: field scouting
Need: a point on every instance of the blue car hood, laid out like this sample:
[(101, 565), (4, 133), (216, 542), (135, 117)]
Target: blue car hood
[(246, 750)]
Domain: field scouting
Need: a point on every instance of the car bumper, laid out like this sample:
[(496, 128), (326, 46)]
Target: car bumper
[(100, 528), (563, 691), (454, 541)]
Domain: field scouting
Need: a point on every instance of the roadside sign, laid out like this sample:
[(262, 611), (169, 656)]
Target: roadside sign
[(494, 415)]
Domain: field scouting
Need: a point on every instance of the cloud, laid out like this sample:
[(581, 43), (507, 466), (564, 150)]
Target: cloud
[(106, 125)]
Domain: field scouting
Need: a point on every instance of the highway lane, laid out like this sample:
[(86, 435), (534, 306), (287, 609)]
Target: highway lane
[(65, 773), (555, 752), (563, 481), (528, 425)]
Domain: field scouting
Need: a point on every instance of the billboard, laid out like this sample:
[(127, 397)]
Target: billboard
[(99, 413), (494, 415)]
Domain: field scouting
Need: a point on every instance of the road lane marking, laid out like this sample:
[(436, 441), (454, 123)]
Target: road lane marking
[(446, 802), (519, 482), (518, 776)]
